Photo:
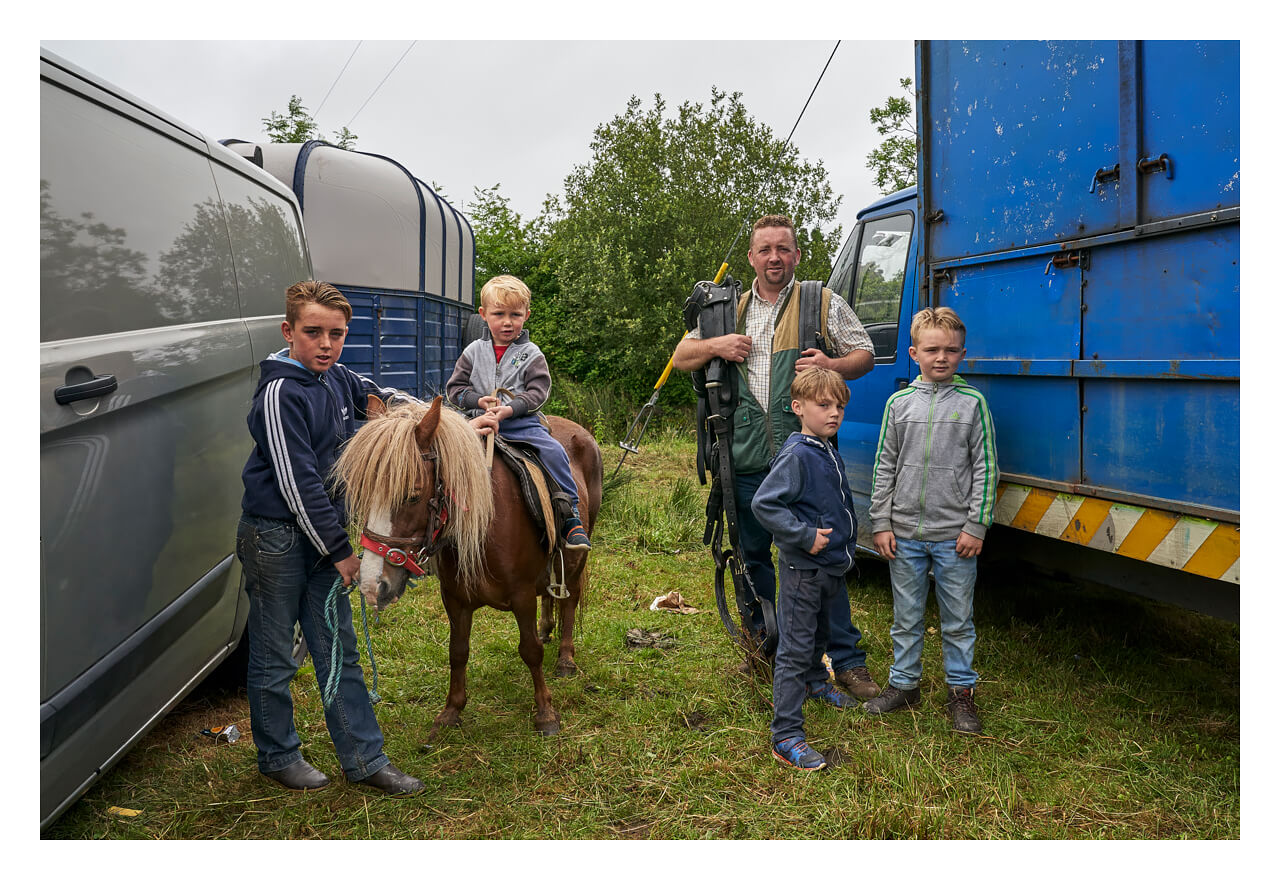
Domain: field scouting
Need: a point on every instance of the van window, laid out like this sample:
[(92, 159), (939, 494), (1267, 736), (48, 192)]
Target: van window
[(873, 283), (266, 241), (131, 232)]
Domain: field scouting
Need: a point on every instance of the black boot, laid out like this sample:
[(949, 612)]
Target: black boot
[(963, 712)]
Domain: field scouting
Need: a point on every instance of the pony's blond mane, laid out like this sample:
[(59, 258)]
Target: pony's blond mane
[(381, 465)]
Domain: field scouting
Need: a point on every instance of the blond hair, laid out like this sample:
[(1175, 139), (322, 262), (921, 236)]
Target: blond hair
[(505, 290), (322, 293), (941, 318), (818, 383), (771, 220)]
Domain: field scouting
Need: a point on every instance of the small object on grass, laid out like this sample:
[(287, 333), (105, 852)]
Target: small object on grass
[(643, 638), (672, 601), (228, 733), (122, 812)]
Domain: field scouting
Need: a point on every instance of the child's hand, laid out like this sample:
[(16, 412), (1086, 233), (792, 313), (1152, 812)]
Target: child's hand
[(967, 545), (886, 544), (348, 569), (820, 540), (489, 402)]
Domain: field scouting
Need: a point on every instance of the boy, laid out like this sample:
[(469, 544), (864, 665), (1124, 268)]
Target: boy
[(805, 503), (932, 499), (292, 542), (504, 360)]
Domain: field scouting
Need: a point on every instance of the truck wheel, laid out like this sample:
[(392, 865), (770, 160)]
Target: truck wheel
[(475, 329)]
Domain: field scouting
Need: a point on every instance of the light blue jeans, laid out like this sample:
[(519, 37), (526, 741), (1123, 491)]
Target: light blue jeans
[(954, 578)]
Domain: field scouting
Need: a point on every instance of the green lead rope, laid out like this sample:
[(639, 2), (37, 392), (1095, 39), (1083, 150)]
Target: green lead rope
[(335, 654)]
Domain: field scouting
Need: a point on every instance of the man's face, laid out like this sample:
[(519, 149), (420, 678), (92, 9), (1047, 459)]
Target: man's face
[(774, 256), (316, 338)]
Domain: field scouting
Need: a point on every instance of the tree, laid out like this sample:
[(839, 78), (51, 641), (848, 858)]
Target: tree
[(506, 245), (894, 161), (296, 127), (652, 213)]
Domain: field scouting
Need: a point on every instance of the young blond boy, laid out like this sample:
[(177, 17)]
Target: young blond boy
[(505, 359), (932, 499), (805, 503)]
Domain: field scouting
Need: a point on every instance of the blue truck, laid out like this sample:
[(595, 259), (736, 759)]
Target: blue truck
[(1078, 204)]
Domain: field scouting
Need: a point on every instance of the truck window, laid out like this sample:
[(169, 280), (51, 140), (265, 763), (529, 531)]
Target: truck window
[(873, 282)]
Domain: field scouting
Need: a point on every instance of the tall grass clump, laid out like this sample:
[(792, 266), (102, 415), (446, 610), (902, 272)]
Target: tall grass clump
[(607, 411)]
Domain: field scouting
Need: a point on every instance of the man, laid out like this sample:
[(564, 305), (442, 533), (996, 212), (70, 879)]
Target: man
[(770, 354)]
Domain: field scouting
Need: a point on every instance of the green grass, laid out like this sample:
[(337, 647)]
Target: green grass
[(1106, 716)]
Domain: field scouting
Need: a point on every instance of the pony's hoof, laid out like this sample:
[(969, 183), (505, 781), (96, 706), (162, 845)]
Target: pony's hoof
[(566, 669), (549, 727)]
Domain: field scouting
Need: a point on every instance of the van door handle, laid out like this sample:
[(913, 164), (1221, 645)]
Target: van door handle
[(95, 387)]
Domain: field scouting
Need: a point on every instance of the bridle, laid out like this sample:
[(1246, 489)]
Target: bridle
[(412, 553)]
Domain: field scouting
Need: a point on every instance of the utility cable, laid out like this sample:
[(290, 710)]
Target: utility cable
[(335, 82), (379, 85)]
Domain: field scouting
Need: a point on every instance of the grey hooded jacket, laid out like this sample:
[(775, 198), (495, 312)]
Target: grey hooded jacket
[(522, 372), (936, 470)]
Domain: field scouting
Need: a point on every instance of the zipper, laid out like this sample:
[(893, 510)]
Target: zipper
[(337, 407), (928, 450), (846, 501)]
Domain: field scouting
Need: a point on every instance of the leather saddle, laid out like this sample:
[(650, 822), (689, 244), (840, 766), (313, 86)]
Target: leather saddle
[(542, 496)]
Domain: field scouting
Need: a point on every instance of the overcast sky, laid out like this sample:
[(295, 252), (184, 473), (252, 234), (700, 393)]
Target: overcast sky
[(471, 114)]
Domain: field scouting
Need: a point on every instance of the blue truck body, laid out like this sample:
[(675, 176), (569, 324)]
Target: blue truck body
[(1079, 206)]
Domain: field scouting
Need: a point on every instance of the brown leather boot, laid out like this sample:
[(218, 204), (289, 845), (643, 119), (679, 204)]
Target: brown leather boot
[(858, 681)]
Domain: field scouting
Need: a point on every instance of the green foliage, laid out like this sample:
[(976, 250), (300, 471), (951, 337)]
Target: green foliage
[(652, 213), (894, 161), (507, 245), (296, 126)]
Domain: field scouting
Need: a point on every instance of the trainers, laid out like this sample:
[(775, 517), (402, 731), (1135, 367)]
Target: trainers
[(891, 700), (828, 694), (574, 536), (858, 681), (796, 752), (963, 712)]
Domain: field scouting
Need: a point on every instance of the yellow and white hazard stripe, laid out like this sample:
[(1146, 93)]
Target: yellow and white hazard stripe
[(1189, 543)]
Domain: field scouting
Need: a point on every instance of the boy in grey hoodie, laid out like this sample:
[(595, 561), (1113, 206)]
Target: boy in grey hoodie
[(932, 498)]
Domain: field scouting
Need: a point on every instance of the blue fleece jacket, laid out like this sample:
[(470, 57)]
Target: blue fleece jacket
[(806, 489), (299, 420)]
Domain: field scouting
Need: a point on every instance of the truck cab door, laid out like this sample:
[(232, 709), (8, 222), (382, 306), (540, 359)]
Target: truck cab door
[(875, 273)]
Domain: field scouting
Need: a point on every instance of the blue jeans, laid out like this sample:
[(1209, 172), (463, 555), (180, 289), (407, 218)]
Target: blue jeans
[(756, 543), (529, 429), (954, 579), (804, 597), (288, 581)]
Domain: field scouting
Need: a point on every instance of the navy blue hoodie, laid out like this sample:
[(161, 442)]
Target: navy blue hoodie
[(806, 489), (299, 421)]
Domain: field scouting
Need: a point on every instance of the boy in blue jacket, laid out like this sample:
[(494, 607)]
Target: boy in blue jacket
[(805, 503), (292, 542)]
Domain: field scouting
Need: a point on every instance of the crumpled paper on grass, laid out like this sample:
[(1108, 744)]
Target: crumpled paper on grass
[(673, 601)]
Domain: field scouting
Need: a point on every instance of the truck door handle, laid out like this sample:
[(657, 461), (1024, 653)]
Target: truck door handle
[(1152, 164), (95, 387), (1103, 175)]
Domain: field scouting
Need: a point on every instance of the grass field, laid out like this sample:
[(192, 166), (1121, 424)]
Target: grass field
[(1106, 717)]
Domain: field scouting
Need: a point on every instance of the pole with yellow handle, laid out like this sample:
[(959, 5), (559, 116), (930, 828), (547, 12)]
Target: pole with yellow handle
[(646, 412)]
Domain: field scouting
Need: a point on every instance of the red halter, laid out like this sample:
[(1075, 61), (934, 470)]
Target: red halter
[(408, 556)]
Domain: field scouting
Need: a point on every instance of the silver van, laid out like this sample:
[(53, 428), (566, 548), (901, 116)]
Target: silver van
[(164, 258)]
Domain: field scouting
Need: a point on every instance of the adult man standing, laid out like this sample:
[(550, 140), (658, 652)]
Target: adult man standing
[(770, 353)]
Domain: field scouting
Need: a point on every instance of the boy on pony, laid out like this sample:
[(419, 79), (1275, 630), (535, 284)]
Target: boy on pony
[(504, 361)]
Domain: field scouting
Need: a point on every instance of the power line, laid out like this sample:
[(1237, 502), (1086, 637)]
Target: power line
[(335, 82), (379, 85)]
